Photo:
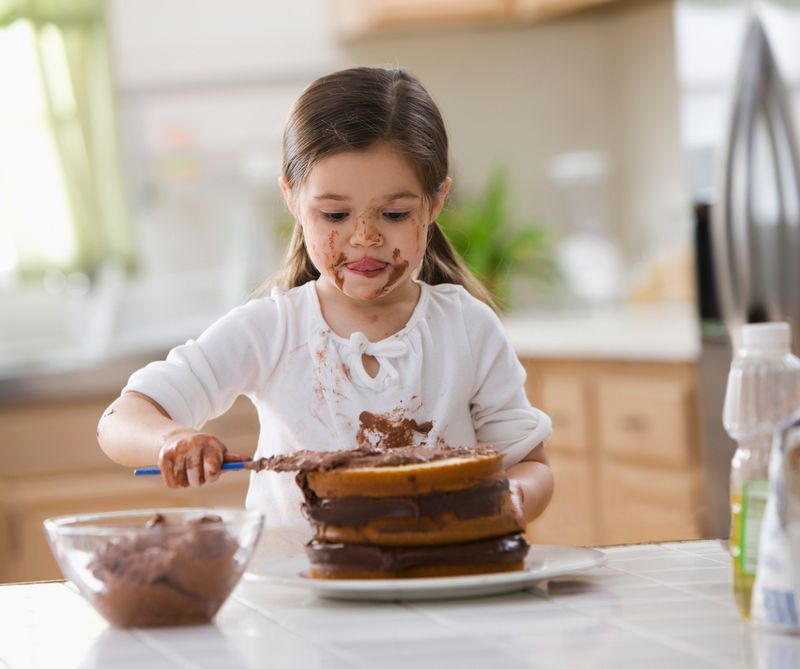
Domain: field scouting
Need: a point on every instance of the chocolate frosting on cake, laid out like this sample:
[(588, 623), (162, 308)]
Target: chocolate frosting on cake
[(484, 499), (363, 456), (508, 548)]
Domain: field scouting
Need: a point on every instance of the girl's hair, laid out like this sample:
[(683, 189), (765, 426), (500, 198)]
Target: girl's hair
[(352, 110)]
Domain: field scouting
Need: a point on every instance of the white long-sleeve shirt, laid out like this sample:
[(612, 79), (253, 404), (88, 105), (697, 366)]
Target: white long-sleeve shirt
[(451, 364)]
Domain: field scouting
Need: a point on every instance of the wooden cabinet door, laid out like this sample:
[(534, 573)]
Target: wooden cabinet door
[(564, 397), (645, 421), (571, 516), (645, 503)]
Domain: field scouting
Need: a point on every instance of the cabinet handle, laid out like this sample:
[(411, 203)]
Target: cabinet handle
[(634, 423)]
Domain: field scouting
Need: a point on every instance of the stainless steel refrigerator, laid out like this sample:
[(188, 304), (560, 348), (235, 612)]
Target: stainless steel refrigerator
[(739, 77)]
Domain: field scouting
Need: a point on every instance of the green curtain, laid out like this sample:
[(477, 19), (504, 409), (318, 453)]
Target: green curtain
[(85, 133)]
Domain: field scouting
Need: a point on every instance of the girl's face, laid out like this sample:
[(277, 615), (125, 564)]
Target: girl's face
[(364, 221)]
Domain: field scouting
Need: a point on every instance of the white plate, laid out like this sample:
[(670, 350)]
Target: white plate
[(542, 562)]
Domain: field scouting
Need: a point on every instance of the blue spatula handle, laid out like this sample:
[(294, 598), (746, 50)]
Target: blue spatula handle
[(226, 466)]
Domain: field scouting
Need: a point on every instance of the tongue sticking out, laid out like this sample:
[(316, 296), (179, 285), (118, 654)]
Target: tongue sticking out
[(366, 265)]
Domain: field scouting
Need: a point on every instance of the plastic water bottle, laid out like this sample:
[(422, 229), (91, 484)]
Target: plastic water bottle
[(763, 392)]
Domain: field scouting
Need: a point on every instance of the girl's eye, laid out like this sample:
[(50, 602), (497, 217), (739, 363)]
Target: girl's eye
[(397, 215), (335, 216)]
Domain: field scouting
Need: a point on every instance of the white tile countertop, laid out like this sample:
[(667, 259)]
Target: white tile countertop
[(656, 605), (667, 332)]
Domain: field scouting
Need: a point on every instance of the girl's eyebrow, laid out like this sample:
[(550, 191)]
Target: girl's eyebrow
[(331, 196), (406, 194)]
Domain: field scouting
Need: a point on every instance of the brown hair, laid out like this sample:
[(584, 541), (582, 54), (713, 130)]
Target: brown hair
[(352, 110)]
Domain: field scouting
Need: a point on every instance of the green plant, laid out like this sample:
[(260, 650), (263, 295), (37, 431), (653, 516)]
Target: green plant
[(493, 247)]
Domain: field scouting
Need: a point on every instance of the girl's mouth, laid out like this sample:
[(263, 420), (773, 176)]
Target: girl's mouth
[(366, 267)]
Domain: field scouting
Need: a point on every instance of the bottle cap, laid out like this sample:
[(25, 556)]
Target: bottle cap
[(767, 337)]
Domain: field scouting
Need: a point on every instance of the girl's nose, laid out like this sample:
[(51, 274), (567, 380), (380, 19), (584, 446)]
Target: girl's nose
[(366, 233)]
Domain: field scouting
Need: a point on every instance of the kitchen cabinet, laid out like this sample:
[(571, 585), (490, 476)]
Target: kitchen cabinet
[(361, 18), (624, 451), (53, 466)]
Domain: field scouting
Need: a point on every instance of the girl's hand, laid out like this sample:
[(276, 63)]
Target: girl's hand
[(191, 458)]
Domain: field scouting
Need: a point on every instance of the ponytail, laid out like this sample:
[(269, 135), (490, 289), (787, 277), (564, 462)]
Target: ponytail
[(443, 264), (296, 269)]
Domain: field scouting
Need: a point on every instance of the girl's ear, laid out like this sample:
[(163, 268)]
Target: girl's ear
[(288, 196), (441, 196)]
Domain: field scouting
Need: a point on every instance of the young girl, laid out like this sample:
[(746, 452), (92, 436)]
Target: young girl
[(374, 328)]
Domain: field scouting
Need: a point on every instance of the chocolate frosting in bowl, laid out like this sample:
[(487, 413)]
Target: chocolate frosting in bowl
[(172, 575)]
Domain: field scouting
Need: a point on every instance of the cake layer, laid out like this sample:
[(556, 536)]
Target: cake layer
[(429, 571), (338, 560), (445, 529), (443, 475), (487, 498)]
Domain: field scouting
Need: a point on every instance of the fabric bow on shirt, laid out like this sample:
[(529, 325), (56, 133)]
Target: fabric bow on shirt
[(381, 351)]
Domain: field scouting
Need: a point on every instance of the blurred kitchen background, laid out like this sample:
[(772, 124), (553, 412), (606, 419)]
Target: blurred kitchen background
[(139, 158)]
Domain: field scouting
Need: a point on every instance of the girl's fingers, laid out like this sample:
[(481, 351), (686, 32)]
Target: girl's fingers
[(194, 468), (165, 465), (193, 476), (230, 457), (179, 469), (212, 462)]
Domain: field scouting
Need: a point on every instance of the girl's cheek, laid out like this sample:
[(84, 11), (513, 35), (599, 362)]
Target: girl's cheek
[(421, 230), (399, 268)]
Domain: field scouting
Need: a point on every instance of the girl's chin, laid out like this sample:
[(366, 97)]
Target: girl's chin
[(365, 288), (369, 290)]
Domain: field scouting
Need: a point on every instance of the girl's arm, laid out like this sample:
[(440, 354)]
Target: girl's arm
[(136, 431), (531, 482)]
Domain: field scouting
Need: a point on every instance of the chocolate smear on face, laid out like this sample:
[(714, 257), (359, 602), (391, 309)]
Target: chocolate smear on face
[(399, 268), (336, 269), (371, 234)]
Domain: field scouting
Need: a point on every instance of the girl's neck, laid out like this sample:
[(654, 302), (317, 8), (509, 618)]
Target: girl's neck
[(376, 319)]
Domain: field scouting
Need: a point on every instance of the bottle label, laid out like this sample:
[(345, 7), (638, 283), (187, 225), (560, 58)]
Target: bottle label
[(754, 501)]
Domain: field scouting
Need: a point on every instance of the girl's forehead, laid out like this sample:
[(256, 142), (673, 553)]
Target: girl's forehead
[(380, 171)]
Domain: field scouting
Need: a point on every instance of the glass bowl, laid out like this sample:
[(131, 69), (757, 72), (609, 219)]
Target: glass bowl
[(155, 567)]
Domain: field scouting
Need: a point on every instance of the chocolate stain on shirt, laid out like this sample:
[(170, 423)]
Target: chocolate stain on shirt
[(389, 430)]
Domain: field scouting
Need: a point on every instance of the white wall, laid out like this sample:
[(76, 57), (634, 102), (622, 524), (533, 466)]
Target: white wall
[(226, 74)]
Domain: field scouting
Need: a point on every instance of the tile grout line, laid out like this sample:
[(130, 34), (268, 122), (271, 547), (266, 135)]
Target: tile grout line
[(140, 635), (675, 586), (670, 643), (296, 630), (440, 620), (675, 644), (165, 651), (663, 557)]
